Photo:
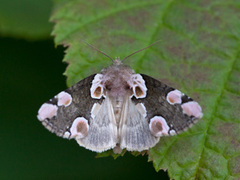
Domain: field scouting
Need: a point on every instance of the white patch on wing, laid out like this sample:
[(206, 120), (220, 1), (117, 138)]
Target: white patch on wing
[(141, 108), (66, 135), (47, 111), (137, 83), (79, 128), (192, 108), (172, 132), (97, 87), (95, 110), (64, 99), (158, 126), (175, 97)]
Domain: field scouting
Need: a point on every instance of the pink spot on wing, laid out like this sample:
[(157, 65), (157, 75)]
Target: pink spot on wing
[(158, 126), (174, 97), (137, 83), (192, 108), (64, 99), (79, 128), (97, 87), (47, 111)]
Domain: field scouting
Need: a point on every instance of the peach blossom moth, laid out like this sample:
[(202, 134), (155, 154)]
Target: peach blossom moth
[(119, 109)]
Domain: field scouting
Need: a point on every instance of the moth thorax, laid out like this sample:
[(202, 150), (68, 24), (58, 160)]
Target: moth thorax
[(118, 88), (117, 83)]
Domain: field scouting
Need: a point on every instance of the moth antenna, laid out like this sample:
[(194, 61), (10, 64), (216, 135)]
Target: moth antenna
[(97, 50), (140, 50)]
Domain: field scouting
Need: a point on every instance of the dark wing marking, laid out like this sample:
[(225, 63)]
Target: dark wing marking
[(80, 106), (157, 105)]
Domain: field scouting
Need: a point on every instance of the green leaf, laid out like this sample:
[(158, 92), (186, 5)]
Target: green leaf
[(27, 19), (110, 153), (199, 54)]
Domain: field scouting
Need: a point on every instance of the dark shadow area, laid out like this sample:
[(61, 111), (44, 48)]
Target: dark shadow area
[(31, 73)]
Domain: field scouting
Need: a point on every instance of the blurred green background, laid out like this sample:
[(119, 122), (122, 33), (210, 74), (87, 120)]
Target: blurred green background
[(31, 73)]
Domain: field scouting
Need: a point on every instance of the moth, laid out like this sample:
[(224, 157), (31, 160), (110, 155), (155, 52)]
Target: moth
[(119, 109)]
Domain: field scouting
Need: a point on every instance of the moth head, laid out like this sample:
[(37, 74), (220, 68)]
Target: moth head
[(118, 79)]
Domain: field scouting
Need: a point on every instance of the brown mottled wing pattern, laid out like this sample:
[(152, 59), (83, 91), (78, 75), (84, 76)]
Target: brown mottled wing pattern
[(80, 106), (157, 105)]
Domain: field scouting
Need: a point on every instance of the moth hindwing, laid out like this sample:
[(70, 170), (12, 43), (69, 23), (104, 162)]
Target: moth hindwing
[(119, 109)]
